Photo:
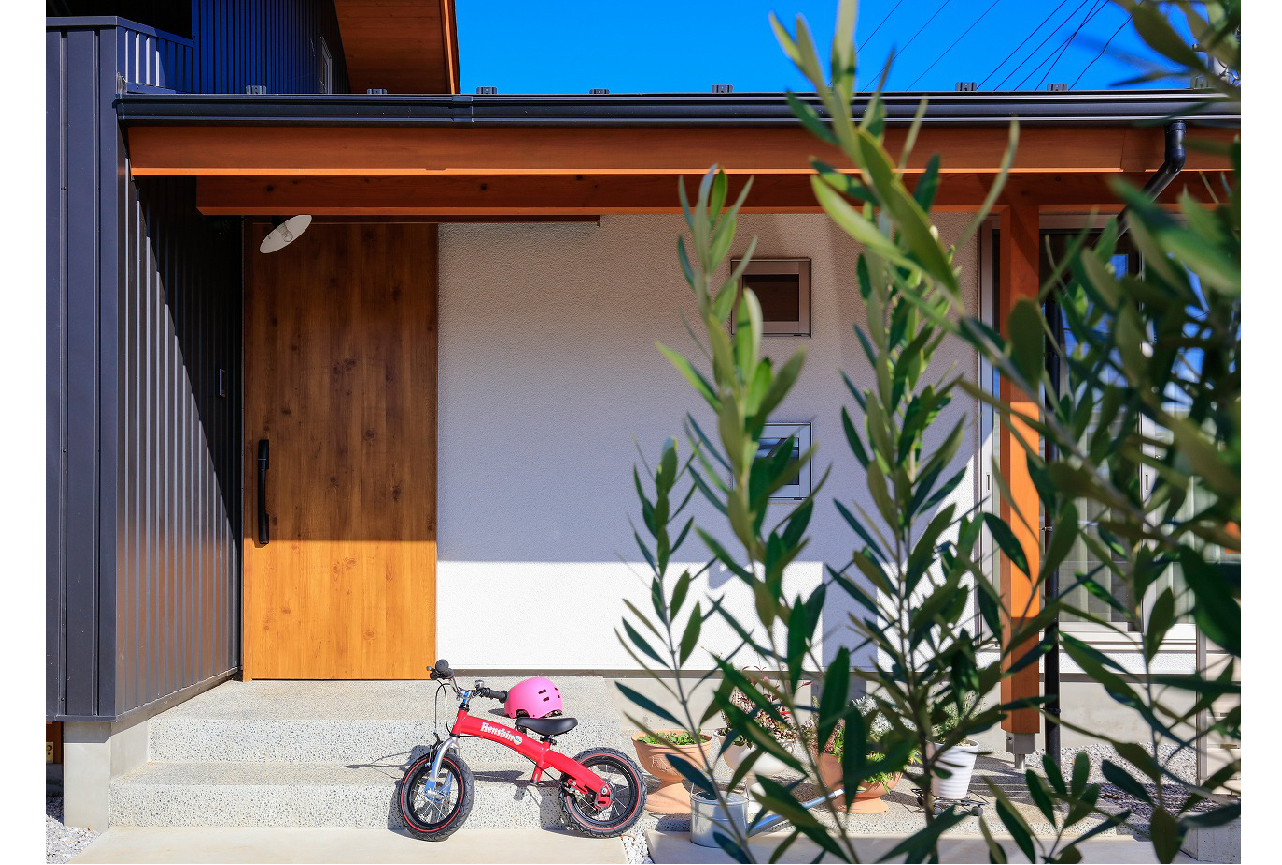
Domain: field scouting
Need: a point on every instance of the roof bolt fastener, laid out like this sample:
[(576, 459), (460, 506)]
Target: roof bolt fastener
[(967, 86), (1057, 87), (598, 91), (487, 91), (376, 91), (255, 89), (723, 88)]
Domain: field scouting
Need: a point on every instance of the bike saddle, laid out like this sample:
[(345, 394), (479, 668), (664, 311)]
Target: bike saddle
[(547, 727)]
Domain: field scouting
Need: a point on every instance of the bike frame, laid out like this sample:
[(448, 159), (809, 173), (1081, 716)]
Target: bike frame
[(544, 756)]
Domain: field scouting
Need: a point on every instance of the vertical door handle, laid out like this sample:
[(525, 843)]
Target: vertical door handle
[(264, 534)]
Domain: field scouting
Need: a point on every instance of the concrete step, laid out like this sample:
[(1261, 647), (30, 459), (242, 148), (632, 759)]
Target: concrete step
[(353, 722), (326, 753), (312, 794)]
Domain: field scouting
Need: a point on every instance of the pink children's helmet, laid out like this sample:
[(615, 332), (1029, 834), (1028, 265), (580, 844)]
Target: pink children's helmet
[(535, 697)]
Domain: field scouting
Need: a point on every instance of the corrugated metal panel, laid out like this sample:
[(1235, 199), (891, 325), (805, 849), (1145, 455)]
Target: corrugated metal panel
[(179, 508), (269, 42), (143, 310)]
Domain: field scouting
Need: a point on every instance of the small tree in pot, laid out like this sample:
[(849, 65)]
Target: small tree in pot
[(736, 748)]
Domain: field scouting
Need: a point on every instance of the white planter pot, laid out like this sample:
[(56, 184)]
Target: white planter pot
[(959, 760), (767, 764)]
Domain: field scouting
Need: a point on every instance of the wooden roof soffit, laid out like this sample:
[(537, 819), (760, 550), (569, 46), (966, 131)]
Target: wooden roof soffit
[(487, 151), (402, 46)]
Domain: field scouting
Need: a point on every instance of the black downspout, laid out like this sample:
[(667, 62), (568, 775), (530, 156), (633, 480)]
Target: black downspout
[(1171, 166)]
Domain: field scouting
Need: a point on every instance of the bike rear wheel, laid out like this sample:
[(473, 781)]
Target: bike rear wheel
[(434, 808), (624, 776)]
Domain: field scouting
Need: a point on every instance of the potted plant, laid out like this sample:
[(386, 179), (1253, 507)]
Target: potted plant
[(735, 751), (867, 799), (652, 753), (958, 758)]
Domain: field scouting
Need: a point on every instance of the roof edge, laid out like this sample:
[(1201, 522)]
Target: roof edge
[(1100, 108)]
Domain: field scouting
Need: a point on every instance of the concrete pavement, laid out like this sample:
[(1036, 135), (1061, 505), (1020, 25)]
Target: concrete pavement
[(183, 844), (675, 847)]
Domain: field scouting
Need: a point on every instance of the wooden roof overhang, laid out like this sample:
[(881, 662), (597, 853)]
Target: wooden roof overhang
[(402, 46), (545, 157)]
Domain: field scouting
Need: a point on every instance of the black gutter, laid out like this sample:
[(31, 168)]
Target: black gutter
[(1095, 108)]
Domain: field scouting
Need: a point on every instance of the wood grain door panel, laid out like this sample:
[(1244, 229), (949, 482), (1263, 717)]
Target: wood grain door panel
[(341, 379)]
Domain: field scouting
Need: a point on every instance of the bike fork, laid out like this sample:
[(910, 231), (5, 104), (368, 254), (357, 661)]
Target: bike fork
[(432, 788)]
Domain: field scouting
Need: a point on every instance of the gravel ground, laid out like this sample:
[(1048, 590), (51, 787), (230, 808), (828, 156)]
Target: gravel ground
[(62, 842), (908, 818)]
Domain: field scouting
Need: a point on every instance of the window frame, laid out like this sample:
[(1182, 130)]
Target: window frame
[(1182, 635), (804, 432), (801, 267)]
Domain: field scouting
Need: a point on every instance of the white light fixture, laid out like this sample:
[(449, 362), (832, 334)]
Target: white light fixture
[(284, 232)]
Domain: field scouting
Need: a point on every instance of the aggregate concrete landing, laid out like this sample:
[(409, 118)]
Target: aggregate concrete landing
[(353, 721), (673, 847), (468, 845)]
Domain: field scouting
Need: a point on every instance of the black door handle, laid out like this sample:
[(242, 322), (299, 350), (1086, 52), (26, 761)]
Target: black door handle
[(264, 534)]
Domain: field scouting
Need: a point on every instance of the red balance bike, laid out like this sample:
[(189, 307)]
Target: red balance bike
[(602, 791)]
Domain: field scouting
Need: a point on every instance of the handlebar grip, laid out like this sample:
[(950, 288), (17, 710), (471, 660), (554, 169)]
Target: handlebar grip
[(501, 696), (442, 670)]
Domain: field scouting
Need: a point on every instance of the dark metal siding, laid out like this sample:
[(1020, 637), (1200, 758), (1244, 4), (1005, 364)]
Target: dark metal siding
[(268, 42), (142, 456)]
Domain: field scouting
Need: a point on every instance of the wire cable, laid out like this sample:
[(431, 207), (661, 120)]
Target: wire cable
[(892, 58), (1025, 42), (1101, 52), (1033, 53), (869, 37), (991, 7), (1059, 54)]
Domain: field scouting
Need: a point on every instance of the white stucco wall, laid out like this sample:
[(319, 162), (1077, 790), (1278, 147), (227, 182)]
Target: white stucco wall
[(549, 374)]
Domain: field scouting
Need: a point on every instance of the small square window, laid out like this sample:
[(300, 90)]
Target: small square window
[(771, 436), (782, 287)]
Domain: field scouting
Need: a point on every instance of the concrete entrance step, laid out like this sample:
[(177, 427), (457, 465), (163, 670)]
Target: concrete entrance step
[(354, 722), (326, 753), (312, 794)]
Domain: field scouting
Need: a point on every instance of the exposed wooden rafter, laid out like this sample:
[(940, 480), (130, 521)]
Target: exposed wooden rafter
[(471, 196)]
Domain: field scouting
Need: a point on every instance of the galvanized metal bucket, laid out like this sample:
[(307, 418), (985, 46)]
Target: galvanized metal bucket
[(706, 816)]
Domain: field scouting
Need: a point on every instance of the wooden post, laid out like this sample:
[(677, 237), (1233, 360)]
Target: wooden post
[(1019, 279)]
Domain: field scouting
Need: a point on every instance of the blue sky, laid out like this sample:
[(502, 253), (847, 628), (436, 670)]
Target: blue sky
[(665, 46)]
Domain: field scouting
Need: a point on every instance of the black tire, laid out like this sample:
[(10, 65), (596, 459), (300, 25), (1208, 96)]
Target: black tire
[(624, 775), (430, 821)]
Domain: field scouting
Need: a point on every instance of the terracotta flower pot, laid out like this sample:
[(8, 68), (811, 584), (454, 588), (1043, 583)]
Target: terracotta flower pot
[(867, 799), (671, 797)]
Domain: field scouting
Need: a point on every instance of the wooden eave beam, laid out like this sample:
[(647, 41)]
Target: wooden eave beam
[(473, 196), (489, 151)]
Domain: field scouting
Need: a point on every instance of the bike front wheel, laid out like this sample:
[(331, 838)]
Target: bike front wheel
[(433, 809), (624, 776)]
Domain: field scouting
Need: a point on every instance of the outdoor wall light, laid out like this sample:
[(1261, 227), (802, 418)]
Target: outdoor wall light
[(284, 231)]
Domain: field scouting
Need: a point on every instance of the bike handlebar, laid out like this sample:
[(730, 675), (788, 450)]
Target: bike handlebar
[(501, 696)]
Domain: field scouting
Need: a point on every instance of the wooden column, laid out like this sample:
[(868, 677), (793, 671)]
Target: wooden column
[(1019, 279)]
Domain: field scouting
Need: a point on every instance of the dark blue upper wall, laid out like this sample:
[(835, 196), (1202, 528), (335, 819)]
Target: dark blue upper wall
[(275, 43), (225, 45)]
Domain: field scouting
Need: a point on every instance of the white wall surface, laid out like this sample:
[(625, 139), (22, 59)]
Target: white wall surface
[(549, 380)]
